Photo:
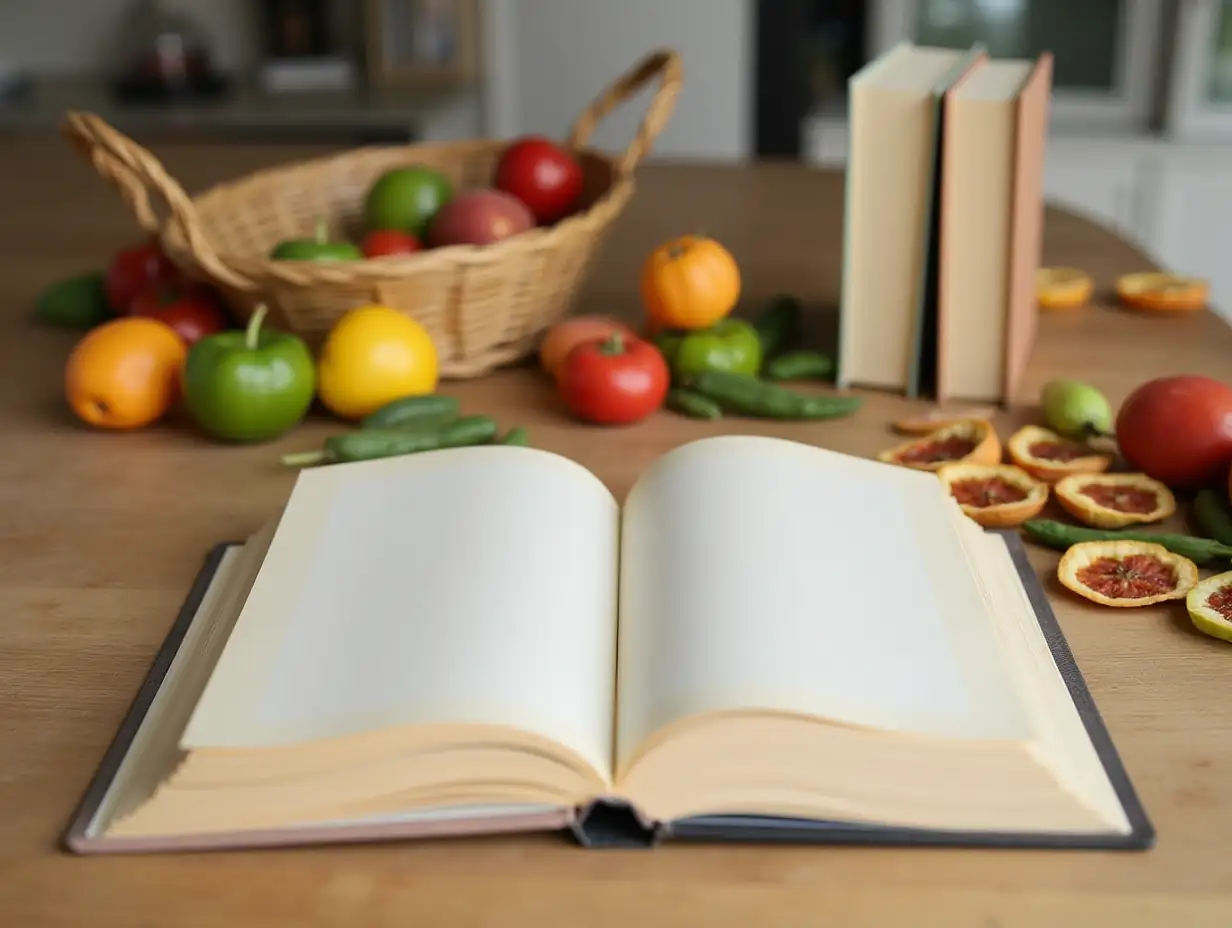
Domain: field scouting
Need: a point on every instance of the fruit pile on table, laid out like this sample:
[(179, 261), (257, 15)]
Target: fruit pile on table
[(1113, 476)]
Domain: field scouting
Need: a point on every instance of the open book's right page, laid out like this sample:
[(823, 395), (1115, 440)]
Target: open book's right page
[(758, 572)]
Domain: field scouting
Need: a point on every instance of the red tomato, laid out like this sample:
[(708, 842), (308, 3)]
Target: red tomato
[(132, 271), (544, 176), (617, 380), (194, 313), (381, 242)]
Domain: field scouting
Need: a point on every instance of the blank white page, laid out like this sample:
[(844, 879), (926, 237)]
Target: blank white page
[(763, 573), (473, 585)]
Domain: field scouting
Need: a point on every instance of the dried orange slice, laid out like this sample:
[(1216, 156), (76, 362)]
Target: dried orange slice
[(995, 495), (938, 419), (1159, 292), (1126, 573), (1210, 606), (1115, 500), (970, 440), (1062, 288), (1045, 454)]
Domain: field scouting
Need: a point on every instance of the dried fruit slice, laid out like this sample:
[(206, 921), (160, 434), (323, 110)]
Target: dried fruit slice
[(1115, 500), (970, 440), (1050, 456), (1062, 288), (995, 495), (1210, 606), (1159, 292), (1126, 573), (936, 419)]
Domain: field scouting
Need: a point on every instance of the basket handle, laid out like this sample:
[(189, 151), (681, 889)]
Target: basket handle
[(665, 66), (138, 175)]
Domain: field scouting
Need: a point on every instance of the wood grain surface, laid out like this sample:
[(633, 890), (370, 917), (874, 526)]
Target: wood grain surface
[(101, 535)]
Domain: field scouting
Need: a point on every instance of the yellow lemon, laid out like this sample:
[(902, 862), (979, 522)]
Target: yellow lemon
[(372, 355)]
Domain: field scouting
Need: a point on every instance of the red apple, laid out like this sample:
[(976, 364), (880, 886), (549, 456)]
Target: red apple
[(543, 175), (479, 217), (1178, 430)]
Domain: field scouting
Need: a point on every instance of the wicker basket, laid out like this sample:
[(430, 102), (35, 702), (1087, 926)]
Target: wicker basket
[(483, 305)]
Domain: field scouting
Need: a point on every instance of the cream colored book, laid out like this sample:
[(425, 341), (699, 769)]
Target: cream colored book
[(766, 640)]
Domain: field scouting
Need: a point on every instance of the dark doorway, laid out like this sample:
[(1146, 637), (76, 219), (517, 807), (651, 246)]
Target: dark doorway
[(805, 52)]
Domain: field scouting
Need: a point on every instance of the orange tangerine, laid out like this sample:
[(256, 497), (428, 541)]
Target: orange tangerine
[(125, 373)]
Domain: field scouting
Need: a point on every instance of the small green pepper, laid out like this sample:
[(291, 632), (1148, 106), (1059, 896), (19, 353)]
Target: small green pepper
[(779, 324), (408, 409), (731, 345), (800, 365), (693, 405), (1059, 535), (515, 436), (752, 396), (369, 444), (1211, 514)]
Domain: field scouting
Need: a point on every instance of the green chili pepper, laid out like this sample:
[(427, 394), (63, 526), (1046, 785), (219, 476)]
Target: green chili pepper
[(779, 324), (1211, 514), (752, 396), (515, 436), (694, 405), (369, 444), (411, 409), (800, 365), (1060, 536)]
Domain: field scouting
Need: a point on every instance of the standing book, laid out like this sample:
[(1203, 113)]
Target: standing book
[(991, 224), (766, 641), (895, 119)]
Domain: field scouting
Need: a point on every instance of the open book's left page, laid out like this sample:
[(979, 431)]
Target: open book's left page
[(468, 586)]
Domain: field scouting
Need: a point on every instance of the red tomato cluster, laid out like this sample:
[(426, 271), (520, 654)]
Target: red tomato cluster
[(141, 281)]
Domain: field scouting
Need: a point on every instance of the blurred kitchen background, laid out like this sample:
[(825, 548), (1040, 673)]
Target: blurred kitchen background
[(1141, 135)]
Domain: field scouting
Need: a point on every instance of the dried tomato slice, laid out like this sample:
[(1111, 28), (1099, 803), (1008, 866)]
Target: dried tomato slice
[(946, 449), (1122, 498), (1115, 500), (986, 491), (1129, 578), (1210, 606), (1048, 456), (1126, 573)]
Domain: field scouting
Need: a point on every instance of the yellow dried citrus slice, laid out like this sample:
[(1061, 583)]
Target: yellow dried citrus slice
[(1049, 456), (1115, 500), (995, 495), (1126, 573), (971, 440), (938, 419), (1062, 288), (1210, 606), (1159, 292)]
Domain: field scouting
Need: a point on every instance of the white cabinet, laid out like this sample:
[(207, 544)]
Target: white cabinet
[(1099, 181), (1190, 219)]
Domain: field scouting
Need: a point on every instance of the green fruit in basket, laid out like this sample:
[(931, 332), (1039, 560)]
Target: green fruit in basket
[(406, 198), (317, 248)]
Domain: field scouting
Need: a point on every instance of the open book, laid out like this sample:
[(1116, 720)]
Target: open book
[(767, 640)]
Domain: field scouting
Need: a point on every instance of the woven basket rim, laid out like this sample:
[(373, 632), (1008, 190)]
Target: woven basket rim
[(262, 269)]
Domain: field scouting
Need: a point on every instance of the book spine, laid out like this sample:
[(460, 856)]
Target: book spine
[(614, 823)]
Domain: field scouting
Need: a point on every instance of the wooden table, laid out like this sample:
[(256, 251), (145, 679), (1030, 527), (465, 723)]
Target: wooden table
[(101, 534)]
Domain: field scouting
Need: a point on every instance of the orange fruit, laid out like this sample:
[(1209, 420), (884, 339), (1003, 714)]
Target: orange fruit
[(1154, 291), (125, 373), (1062, 288)]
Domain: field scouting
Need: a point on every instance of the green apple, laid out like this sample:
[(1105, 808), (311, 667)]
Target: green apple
[(249, 385), (406, 198), (317, 248)]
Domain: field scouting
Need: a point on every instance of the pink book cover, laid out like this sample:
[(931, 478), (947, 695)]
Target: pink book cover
[(1027, 226)]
